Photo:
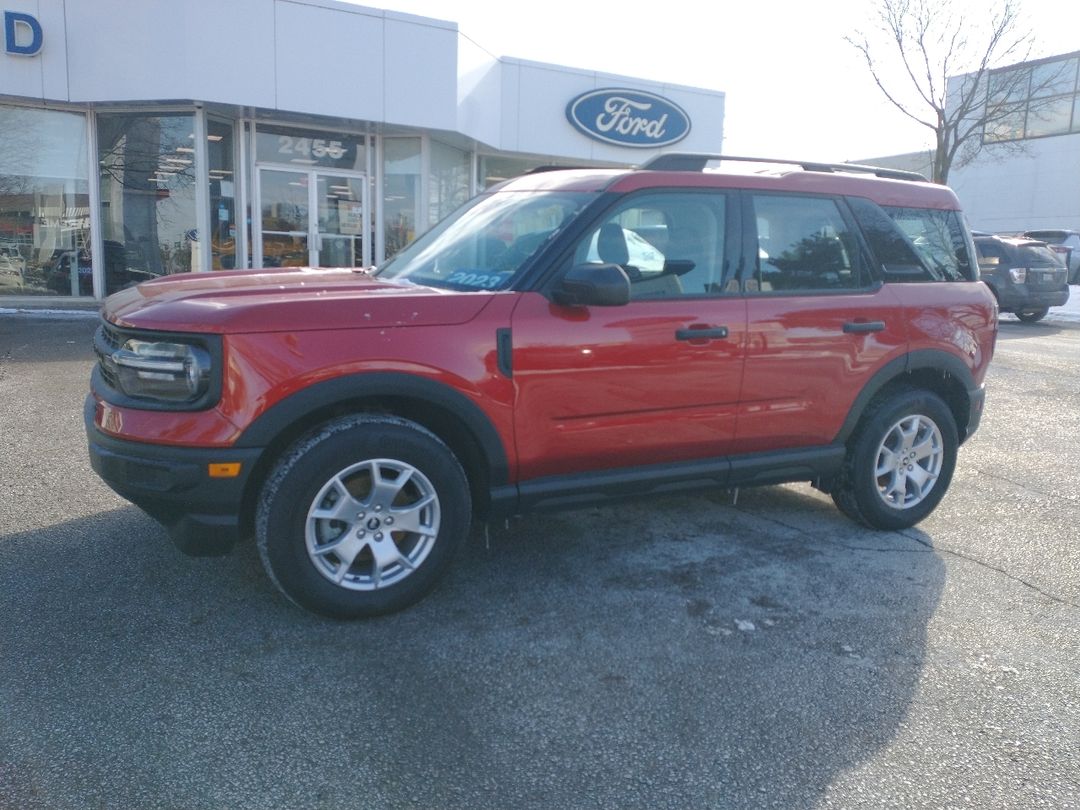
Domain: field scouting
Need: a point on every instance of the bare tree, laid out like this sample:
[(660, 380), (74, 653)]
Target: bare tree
[(938, 67)]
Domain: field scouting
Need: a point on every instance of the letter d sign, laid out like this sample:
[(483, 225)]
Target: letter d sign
[(22, 34)]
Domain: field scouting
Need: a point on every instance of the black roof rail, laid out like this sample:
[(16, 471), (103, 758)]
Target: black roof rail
[(694, 162), (553, 167)]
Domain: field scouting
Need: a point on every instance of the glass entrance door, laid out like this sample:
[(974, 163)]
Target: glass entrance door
[(310, 218), (339, 239)]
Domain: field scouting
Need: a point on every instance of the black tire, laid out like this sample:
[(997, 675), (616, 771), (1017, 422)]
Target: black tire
[(335, 543), (906, 492), (1032, 315)]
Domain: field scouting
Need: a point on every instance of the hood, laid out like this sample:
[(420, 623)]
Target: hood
[(286, 300)]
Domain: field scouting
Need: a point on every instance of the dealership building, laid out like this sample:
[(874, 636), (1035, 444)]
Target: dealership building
[(1026, 176), (139, 139)]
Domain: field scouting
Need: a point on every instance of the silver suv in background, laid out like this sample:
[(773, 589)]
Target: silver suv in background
[(1065, 243), (1026, 276)]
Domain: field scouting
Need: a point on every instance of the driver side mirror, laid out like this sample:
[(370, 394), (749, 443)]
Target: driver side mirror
[(599, 285)]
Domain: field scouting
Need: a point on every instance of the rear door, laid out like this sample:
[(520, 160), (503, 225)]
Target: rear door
[(655, 381), (819, 323)]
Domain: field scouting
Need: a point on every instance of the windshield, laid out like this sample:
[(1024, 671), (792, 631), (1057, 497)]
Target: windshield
[(485, 242)]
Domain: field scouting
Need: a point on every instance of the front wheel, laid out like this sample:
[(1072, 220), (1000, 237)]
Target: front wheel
[(1032, 315), (900, 461), (362, 517)]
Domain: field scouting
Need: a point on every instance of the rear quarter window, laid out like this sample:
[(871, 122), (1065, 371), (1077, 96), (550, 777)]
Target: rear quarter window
[(917, 244), (940, 239)]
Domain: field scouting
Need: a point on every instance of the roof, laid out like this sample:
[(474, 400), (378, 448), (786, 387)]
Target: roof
[(883, 186)]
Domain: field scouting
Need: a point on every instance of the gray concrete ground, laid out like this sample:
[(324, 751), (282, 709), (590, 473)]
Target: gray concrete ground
[(683, 653)]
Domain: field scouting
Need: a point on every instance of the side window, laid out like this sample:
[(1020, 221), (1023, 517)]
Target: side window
[(940, 239), (669, 244), (804, 245), (991, 255)]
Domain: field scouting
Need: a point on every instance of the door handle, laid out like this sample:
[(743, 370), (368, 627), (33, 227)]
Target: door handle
[(702, 333), (863, 327)]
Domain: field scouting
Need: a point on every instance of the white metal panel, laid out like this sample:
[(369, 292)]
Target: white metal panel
[(479, 92), (420, 73), (23, 75), (208, 50), (543, 92), (329, 60), (533, 112), (507, 111), (54, 65), (1010, 191)]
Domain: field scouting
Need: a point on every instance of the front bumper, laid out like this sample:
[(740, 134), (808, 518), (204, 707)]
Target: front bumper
[(173, 485)]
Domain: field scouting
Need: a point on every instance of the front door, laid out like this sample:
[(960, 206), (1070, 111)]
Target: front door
[(311, 218), (654, 381)]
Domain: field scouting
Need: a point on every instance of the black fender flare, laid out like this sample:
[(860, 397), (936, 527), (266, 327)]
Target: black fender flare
[(934, 359), (283, 415)]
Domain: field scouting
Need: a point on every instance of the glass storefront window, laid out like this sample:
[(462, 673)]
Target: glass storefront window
[(1049, 116), (223, 227), (401, 191), (496, 169), (1053, 78), (44, 203), (147, 196), (492, 169), (448, 181), (1007, 123)]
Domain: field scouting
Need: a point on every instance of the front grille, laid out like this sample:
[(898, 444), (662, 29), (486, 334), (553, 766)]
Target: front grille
[(106, 341)]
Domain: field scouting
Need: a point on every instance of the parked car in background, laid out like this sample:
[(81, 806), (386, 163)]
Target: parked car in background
[(11, 274), (1065, 243), (1026, 275), (12, 265)]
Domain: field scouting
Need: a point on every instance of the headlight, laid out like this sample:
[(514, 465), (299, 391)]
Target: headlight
[(170, 372)]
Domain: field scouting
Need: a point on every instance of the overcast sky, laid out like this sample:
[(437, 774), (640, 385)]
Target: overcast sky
[(794, 87)]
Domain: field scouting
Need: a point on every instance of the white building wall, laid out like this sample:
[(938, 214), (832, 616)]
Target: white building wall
[(317, 57), (534, 100), (479, 92), (325, 58), (1012, 190)]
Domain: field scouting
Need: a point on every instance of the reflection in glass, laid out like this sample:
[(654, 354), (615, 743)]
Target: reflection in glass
[(401, 191), (1008, 85), (285, 250), (1049, 116), (147, 196), (448, 180), (223, 227), (284, 201), (1053, 78), (493, 169), (1006, 124), (44, 203), (341, 221)]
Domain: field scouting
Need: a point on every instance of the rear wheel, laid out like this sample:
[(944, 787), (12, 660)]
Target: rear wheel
[(363, 516), (899, 462), (1032, 315)]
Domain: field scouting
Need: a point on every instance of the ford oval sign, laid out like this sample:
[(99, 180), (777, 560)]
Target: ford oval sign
[(628, 118)]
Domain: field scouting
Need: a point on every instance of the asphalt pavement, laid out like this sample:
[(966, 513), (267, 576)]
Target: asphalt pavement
[(690, 652)]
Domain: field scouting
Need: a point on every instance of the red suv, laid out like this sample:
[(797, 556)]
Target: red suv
[(566, 338)]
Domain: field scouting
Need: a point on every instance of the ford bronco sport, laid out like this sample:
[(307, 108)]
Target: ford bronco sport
[(565, 338)]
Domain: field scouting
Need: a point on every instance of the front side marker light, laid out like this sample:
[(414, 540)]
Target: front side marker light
[(227, 469)]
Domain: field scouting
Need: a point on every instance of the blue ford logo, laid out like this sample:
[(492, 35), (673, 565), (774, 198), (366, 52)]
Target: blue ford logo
[(628, 118)]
